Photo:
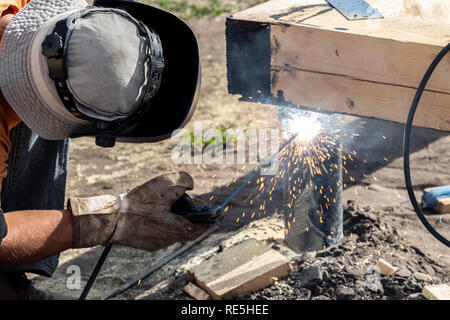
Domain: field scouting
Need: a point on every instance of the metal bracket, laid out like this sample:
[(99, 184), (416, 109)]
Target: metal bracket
[(355, 9)]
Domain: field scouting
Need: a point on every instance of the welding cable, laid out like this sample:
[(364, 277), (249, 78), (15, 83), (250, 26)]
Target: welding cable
[(186, 247), (406, 146), (136, 280), (95, 272)]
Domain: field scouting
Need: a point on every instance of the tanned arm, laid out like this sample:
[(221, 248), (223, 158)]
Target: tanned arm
[(34, 234)]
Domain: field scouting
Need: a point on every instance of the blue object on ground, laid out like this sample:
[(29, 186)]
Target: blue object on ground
[(431, 197)]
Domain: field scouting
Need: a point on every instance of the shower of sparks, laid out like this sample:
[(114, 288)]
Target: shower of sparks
[(314, 152)]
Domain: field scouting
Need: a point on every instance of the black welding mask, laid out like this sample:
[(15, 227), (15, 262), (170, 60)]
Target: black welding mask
[(172, 76)]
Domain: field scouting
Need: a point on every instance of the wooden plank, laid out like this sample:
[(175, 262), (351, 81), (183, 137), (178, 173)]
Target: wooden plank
[(443, 205), (386, 268), (246, 267), (326, 92), (437, 292), (195, 292), (371, 68)]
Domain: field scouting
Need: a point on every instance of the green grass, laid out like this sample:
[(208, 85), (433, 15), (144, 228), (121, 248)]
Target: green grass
[(223, 137), (186, 10)]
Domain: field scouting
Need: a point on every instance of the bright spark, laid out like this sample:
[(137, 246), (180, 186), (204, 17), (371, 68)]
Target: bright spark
[(305, 128)]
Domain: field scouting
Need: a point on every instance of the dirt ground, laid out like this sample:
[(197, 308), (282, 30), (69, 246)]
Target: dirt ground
[(378, 188)]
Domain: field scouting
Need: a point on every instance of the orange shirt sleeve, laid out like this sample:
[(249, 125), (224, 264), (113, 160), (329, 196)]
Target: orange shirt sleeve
[(8, 118), (15, 5)]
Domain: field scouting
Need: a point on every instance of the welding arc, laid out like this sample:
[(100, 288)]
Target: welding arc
[(175, 254), (406, 146)]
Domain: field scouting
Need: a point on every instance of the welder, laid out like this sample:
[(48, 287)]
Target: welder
[(118, 70)]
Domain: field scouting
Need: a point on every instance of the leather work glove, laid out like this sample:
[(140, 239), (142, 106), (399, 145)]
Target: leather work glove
[(140, 218)]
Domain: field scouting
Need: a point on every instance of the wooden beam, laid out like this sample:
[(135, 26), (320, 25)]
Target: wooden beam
[(443, 205), (322, 61), (246, 267), (437, 292), (195, 292)]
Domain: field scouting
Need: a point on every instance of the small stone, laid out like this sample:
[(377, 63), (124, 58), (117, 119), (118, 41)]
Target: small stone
[(403, 272), (317, 291), (375, 240), (398, 294), (307, 257), (360, 287), (373, 277), (321, 297), (304, 294), (419, 276), (354, 271), (375, 286), (412, 264), (429, 269), (311, 276), (344, 293), (390, 239), (325, 275), (415, 296)]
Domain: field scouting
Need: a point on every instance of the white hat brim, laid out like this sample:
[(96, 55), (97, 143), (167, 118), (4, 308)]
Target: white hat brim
[(15, 81)]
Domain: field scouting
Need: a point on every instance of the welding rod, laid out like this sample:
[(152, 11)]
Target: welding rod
[(160, 264)]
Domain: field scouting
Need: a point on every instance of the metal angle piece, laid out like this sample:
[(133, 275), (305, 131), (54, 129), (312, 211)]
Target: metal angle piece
[(355, 9)]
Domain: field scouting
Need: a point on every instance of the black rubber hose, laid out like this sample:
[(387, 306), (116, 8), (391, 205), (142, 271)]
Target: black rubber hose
[(406, 147)]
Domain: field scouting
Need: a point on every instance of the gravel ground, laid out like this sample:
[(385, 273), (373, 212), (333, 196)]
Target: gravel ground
[(348, 270)]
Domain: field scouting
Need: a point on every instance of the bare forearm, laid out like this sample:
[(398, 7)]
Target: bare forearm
[(34, 235)]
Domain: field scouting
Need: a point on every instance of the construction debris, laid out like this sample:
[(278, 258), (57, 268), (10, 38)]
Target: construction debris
[(311, 276), (352, 269), (344, 293), (422, 277), (386, 269), (195, 292), (437, 292), (246, 267)]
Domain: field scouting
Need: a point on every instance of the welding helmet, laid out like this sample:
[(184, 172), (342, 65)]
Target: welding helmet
[(72, 52)]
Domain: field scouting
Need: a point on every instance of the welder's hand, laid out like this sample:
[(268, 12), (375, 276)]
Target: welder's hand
[(140, 218)]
